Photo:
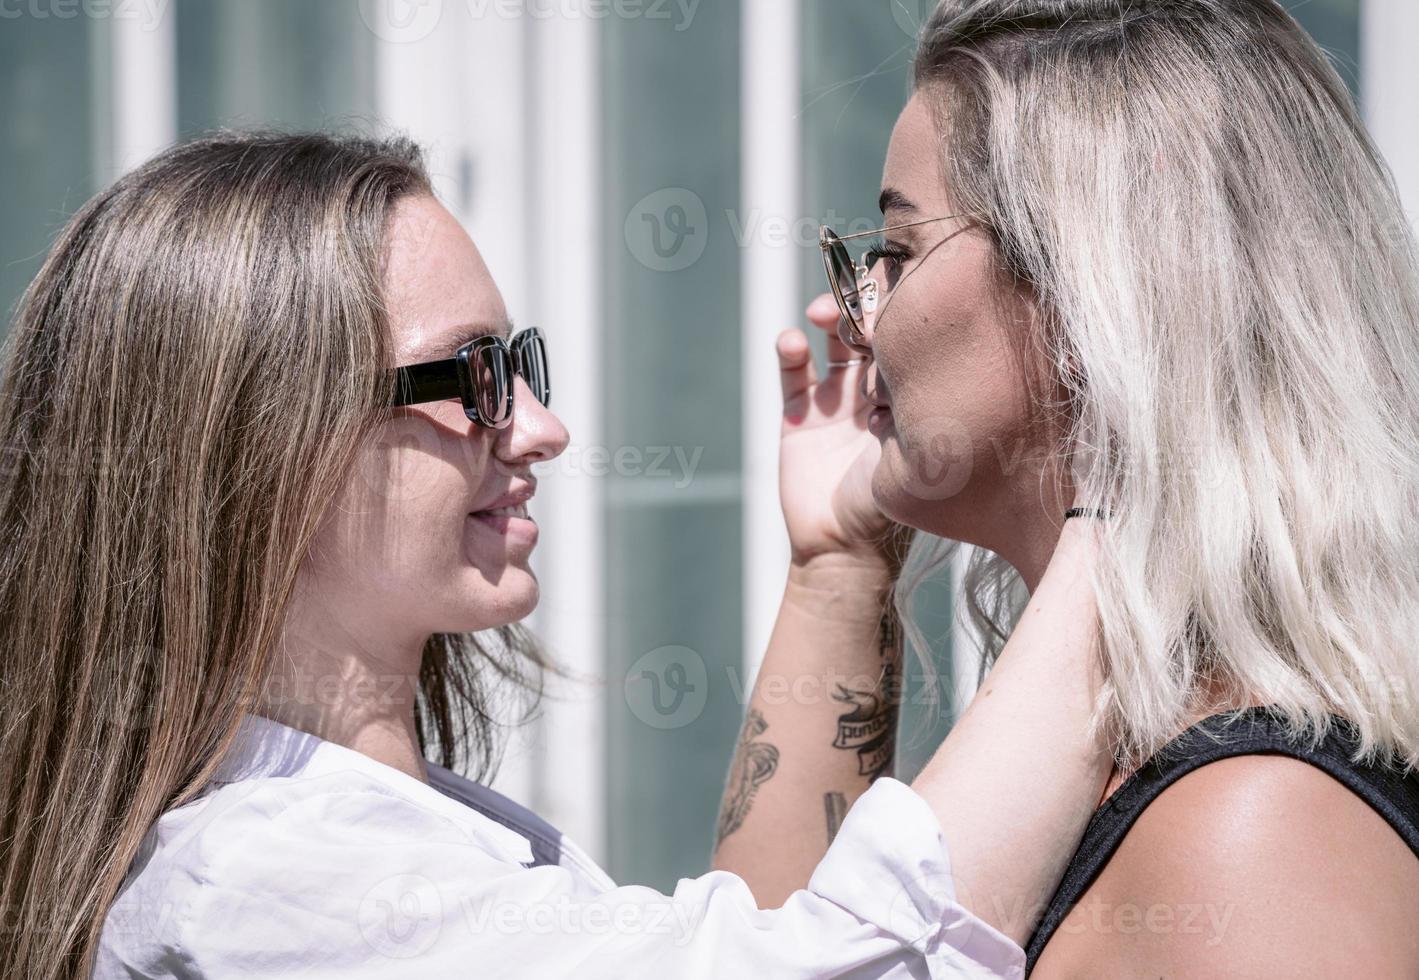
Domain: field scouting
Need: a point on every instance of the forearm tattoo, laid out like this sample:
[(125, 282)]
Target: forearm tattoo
[(754, 762), (870, 727)]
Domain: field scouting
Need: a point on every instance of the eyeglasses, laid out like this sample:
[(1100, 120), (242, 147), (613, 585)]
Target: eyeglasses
[(851, 283), (480, 374)]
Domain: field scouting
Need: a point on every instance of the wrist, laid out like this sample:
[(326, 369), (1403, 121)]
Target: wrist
[(886, 555), (851, 568), (841, 585)]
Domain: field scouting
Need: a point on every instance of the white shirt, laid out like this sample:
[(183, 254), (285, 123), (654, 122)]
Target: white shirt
[(304, 858)]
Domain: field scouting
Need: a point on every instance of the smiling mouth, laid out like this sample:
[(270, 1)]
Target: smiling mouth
[(516, 510)]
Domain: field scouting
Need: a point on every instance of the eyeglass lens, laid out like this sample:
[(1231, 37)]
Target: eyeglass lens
[(842, 276)]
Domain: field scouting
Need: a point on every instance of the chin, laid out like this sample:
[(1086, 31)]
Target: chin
[(896, 505), (499, 600), (903, 500)]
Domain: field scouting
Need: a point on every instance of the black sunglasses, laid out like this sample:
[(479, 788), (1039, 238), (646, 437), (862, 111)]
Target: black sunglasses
[(480, 374)]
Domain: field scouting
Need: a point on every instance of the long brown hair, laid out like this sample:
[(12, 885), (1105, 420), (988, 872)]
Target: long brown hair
[(187, 384)]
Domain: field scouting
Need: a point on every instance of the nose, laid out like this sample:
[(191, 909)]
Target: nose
[(861, 347), (873, 389), (535, 433)]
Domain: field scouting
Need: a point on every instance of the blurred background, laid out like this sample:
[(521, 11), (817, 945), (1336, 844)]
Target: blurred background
[(645, 179)]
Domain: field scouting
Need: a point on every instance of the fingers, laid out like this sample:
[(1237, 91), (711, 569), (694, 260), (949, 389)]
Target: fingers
[(824, 314), (797, 372)]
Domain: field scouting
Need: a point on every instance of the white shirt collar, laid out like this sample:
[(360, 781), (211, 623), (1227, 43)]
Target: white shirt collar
[(268, 748)]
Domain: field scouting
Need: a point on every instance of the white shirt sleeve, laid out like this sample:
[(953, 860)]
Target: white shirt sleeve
[(357, 884)]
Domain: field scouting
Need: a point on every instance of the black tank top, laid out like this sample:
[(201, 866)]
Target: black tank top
[(1253, 731)]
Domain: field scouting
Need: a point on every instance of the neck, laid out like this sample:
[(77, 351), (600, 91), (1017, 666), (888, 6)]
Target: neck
[(329, 679), (1024, 530)]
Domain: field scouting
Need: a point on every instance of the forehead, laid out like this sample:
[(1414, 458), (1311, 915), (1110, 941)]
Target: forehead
[(435, 281), (915, 156)]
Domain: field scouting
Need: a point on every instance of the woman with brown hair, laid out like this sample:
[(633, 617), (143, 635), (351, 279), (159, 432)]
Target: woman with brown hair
[(263, 531)]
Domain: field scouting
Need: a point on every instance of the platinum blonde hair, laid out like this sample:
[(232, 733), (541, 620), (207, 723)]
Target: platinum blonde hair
[(1228, 293)]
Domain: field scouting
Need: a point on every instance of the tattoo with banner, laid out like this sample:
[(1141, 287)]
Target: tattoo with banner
[(870, 728)]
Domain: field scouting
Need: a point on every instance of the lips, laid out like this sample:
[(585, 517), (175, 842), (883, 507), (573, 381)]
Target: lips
[(513, 503), (873, 395), (878, 405), (512, 510)]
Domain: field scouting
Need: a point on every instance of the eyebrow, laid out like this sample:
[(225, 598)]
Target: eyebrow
[(893, 199), (466, 332)]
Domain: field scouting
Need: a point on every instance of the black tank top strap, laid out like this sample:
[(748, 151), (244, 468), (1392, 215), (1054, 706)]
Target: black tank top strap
[(1392, 792)]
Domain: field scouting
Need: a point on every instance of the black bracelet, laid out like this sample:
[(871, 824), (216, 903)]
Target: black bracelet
[(1085, 512)]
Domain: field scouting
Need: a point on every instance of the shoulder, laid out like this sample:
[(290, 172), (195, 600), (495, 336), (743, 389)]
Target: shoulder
[(1255, 865), (338, 807), (287, 863)]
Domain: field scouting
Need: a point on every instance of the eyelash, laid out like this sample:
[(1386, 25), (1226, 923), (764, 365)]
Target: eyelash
[(883, 249)]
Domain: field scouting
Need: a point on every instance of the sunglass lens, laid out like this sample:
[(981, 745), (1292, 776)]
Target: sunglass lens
[(492, 382), (532, 352)]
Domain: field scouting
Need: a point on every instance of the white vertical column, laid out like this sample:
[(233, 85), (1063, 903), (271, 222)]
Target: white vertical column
[(143, 95), (493, 188), (1389, 73), (507, 108), (563, 255), (771, 194), (419, 88), (429, 61)]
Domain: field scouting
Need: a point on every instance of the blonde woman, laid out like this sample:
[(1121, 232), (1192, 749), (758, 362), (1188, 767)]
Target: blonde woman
[(1169, 212), (269, 442)]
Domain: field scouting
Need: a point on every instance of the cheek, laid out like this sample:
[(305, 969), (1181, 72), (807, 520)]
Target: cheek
[(947, 352), (407, 498), (960, 411), (416, 463), (397, 541)]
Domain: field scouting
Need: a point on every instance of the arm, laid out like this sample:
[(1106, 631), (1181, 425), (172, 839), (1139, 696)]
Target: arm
[(820, 725), (1013, 785), (1018, 778), (350, 877)]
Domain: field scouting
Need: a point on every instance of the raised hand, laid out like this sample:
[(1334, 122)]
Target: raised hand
[(826, 454)]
